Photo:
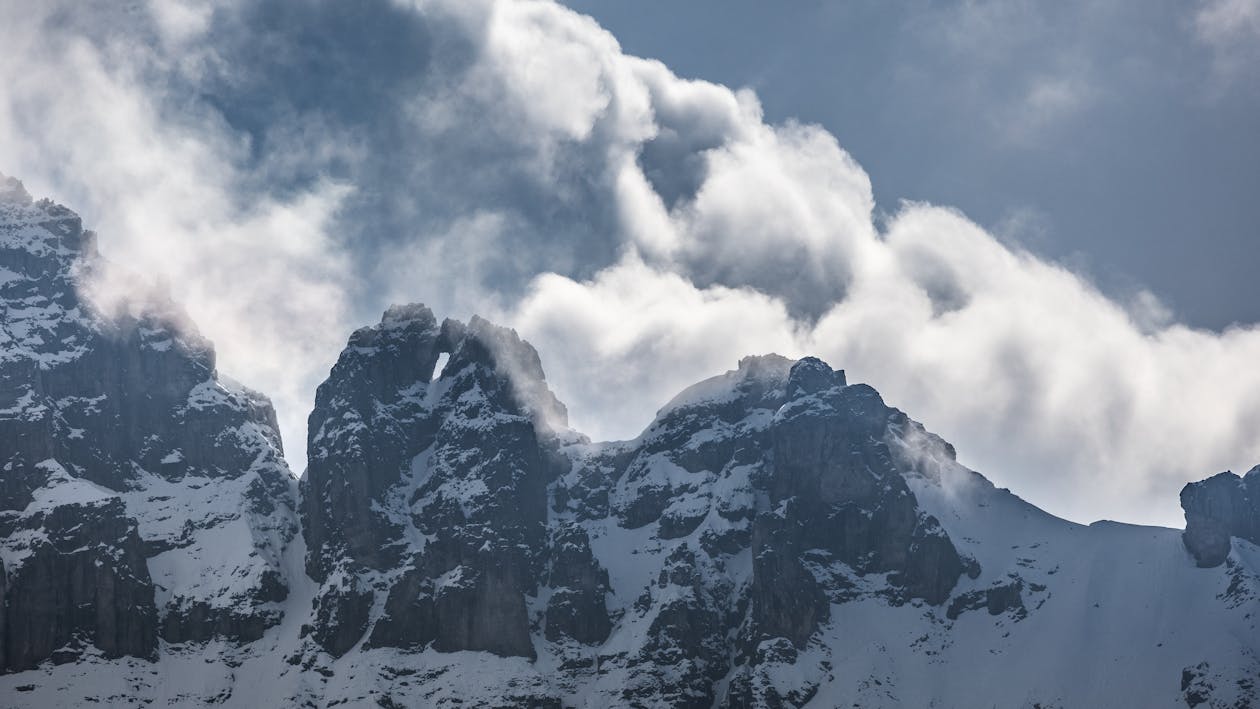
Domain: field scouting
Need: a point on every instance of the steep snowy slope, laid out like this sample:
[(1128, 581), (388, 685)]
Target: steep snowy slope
[(776, 537)]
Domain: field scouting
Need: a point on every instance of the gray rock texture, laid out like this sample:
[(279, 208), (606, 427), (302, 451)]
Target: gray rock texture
[(84, 582), (1218, 508), (121, 443), (463, 460)]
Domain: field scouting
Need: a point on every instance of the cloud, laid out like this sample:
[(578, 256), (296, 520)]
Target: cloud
[(290, 169), (1228, 21), (1027, 68), (623, 343), (1232, 29), (83, 119)]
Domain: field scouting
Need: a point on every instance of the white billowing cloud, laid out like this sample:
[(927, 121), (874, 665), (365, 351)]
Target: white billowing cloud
[(83, 121), (1043, 383), (1088, 406), (729, 236), (752, 224), (617, 347)]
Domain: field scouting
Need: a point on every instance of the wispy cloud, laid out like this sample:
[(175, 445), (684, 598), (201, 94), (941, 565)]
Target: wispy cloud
[(87, 116), (1232, 29)]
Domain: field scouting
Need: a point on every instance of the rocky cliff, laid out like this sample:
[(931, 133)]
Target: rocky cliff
[(777, 536), (1220, 508), (142, 497), (430, 491)]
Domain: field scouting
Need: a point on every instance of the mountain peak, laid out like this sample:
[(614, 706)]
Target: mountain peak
[(402, 315), (12, 191), (811, 375), (125, 464), (776, 537)]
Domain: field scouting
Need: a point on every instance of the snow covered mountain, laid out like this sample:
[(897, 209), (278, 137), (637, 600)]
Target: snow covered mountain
[(143, 500), (776, 537)]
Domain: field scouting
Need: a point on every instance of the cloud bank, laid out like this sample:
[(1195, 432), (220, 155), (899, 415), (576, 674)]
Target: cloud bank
[(289, 169)]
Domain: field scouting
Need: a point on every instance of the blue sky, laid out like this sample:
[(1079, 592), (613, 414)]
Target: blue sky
[(652, 194)]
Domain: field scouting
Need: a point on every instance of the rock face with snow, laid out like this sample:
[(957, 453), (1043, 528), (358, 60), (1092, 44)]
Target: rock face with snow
[(141, 496), (761, 490), (1221, 507), (431, 492), (86, 582), (777, 536)]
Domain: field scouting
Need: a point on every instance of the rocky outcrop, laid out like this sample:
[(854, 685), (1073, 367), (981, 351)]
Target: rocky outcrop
[(1204, 685), (579, 585), (123, 411), (252, 611), (999, 598), (787, 600), (786, 463), (357, 454), (461, 461), (1218, 508), (341, 615), (82, 581), (832, 458)]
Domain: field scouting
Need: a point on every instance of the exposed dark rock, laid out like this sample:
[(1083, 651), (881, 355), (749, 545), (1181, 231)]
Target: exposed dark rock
[(811, 375), (85, 579), (787, 600), (997, 599), (478, 582), (408, 620), (465, 459), (476, 605), (932, 563), (356, 455), (648, 504), (4, 630), (1194, 688), (674, 524), (577, 606), (482, 609), (729, 541), (687, 638), (1201, 684), (189, 620), (831, 457), (1218, 508), (341, 615), (126, 401)]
